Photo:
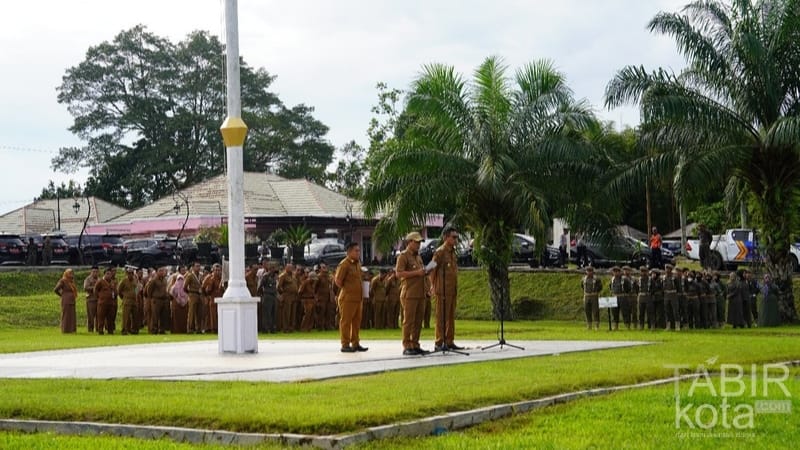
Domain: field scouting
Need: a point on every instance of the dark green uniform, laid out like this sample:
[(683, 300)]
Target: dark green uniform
[(671, 305), (591, 292)]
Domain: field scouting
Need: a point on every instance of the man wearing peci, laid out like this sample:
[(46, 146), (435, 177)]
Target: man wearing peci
[(444, 279), (348, 279)]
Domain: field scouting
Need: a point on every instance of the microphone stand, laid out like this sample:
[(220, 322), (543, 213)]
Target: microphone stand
[(444, 349), (502, 341)]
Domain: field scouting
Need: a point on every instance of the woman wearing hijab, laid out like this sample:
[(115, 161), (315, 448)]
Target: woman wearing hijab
[(66, 289), (180, 300)]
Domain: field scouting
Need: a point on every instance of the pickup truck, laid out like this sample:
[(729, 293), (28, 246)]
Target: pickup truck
[(737, 246)]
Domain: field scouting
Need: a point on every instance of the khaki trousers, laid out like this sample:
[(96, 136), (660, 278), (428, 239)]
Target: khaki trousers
[(413, 312), (350, 323)]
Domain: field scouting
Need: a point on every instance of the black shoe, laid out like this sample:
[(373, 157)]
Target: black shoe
[(423, 352), (348, 349), (359, 348), (410, 352), (439, 348), (455, 347)]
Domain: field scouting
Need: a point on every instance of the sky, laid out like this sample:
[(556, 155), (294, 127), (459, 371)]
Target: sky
[(326, 54)]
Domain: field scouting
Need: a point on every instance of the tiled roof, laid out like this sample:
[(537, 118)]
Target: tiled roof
[(42, 216), (265, 195)]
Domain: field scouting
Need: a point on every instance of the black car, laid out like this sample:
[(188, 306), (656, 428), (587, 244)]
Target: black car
[(12, 250), (97, 249), (427, 248), (152, 252), (620, 250), (60, 248), (330, 253)]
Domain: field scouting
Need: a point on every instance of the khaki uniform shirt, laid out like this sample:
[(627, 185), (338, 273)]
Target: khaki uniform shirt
[(377, 289), (127, 291), (156, 289), (88, 286), (322, 289), (410, 287), (348, 275), (445, 275), (105, 292), (251, 280), (287, 287), (191, 285)]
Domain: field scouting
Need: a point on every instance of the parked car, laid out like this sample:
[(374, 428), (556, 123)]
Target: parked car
[(620, 250), (330, 253), (188, 250), (735, 247), (60, 248), (97, 249), (426, 249), (152, 252), (12, 250)]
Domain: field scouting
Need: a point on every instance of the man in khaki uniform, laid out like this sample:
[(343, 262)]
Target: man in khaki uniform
[(91, 297), (287, 291), (392, 299), (323, 295), (411, 273), (348, 279), (444, 279), (192, 286), (127, 292), (106, 291), (377, 291), (212, 288), (157, 291), (251, 279)]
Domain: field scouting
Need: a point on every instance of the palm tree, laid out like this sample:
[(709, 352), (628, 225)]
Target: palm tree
[(485, 154), (734, 112)]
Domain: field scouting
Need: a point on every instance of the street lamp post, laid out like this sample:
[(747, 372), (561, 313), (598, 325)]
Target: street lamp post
[(77, 207)]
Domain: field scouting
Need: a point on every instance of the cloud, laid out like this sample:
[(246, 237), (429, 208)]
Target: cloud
[(328, 55)]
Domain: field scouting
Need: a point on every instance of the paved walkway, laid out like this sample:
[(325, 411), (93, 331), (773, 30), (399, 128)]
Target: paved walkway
[(276, 360)]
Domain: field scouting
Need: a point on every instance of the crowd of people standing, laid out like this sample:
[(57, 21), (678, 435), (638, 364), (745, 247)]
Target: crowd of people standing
[(292, 298), (682, 299)]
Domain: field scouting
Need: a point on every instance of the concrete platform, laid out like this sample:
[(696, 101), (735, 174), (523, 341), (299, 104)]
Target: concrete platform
[(277, 360)]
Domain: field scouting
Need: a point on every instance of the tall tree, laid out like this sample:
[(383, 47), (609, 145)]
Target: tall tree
[(487, 151), (149, 112), (64, 190), (734, 112), (350, 174)]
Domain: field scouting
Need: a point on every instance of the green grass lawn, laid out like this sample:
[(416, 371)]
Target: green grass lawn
[(636, 419), (29, 322)]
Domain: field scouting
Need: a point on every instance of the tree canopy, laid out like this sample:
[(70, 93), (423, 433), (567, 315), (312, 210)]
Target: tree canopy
[(149, 112), (484, 153), (732, 114)]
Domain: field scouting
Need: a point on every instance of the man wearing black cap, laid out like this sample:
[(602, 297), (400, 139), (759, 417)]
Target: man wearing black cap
[(642, 288), (628, 299), (670, 283), (655, 306), (616, 290), (591, 292)]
